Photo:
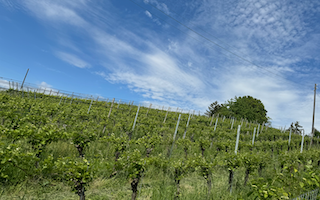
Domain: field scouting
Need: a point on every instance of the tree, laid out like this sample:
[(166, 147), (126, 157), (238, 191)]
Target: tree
[(246, 107), (296, 128), (213, 109), (316, 132)]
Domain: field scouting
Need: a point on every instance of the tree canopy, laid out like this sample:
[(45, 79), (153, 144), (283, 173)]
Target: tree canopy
[(295, 127), (246, 107)]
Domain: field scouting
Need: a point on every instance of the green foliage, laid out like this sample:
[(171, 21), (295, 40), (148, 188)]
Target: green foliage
[(214, 108), (42, 132), (77, 173), (245, 107)]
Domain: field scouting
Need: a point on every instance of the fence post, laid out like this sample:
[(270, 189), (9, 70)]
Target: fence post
[(254, 134), (232, 124), (215, 126), (302, 142), (118, 104), (148, 109), (71, 98), (164, 121), (237, 142), (258, 130), (290, 136), (211, 119), (174, 135), (60, 100), (185, 132), (135, 119), (90, 106), (111, 107)]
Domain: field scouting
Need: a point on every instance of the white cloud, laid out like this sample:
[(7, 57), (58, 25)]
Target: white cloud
[(161, 6), (148, 14), (4, 84), (54, 11), (44, 85), (72, 60)]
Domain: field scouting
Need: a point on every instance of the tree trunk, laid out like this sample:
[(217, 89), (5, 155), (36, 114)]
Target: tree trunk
[(230, 179), (186, 152), (178, 189), (246, 177), (81, 192), (202, 151), (134, 187), (80, 150), (208, 185)]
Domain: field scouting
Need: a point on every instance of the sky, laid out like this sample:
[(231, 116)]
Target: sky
[(182, 53)]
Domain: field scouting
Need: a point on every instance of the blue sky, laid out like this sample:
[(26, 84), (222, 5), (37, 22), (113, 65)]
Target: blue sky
[(178, 53)]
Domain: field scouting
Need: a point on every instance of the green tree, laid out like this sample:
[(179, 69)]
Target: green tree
[(316, 132), (296, 128), (245, 107), (213, 109)]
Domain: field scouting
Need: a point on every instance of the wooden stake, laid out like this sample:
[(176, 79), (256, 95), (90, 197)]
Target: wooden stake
[(111, 107)]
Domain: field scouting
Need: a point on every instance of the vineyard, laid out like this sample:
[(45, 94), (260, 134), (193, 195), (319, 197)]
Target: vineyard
[(67, 148)]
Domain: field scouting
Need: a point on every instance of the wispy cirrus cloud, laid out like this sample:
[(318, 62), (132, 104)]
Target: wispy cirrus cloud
[(72, 60)]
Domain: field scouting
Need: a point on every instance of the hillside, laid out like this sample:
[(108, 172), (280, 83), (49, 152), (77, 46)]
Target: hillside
[(53, 145)]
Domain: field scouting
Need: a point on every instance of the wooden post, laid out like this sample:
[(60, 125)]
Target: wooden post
[(118, 104), (174, 135), (130, 106), (60, 99), (290, 136), (164, 121), (71, 98), (135, 119), (111, 107), (314, 107), (302, 141), (237, 141), (211, 119), (215, 126), (185, 132), (24, 78), (254, 134), (148, 109), (90, 106), (232, 124)]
